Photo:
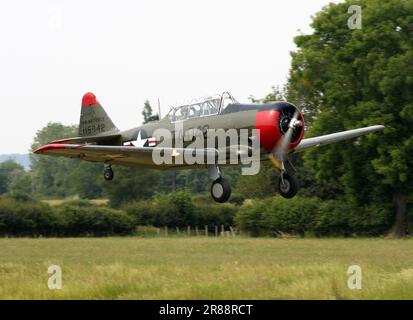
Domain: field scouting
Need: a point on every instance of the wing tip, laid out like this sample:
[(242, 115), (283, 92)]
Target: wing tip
[(379, 127), (55, 146), (51, 146)]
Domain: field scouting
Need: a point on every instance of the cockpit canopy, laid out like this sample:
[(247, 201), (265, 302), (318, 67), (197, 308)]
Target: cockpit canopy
[(202, 108)]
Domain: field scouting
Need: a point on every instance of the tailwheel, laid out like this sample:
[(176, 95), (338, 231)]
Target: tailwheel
[(220, 190), (288, 185), (108, 174)]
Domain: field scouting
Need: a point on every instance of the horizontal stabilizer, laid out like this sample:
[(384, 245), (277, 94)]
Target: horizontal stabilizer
[(104, 139)]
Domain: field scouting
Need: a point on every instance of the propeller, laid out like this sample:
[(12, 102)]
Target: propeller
[(280, 151)]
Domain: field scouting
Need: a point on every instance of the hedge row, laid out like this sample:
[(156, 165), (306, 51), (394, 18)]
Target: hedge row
[(33, 218), (311, 216), (22, 216), (179, 209)]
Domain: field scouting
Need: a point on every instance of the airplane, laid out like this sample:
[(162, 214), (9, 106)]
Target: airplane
[(280, 126)]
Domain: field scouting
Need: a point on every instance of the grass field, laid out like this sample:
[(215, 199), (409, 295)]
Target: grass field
[(206, 268)]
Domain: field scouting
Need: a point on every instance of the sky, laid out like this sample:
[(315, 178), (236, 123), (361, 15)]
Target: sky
[(52, 52)]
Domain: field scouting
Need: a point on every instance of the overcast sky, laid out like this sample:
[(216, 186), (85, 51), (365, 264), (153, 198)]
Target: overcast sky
[(52, 52)]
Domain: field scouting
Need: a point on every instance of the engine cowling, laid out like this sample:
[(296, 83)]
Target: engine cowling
[(273, 124)]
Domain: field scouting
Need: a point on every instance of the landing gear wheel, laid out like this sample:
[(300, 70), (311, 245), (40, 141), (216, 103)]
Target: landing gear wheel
[(108, 174), (288, 186), (220, 190)]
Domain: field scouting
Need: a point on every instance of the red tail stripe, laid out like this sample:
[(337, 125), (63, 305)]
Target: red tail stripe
[(56, 146)]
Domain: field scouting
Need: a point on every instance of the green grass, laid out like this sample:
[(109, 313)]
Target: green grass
[(206, 268)]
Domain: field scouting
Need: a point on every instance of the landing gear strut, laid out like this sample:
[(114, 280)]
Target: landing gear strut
[(108, 173), (220, 188)]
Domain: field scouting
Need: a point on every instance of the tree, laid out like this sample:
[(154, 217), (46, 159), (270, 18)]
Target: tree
[(131, 184), (147, 111), (84, 179), (61, 177), (21, 183), (351, 78), (49, 173), (10, 174), (260, 185), (276, 94)]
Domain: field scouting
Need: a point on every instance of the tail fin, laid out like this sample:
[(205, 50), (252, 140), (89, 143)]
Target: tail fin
[(93, 118)]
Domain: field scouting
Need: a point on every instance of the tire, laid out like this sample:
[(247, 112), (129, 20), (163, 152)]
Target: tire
[(108, 174), (290, 187), (221, 190)]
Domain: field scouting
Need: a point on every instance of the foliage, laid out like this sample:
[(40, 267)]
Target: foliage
[(174, 209), (12, 175), (274, 215), (93, 220), (213, 214), (260, 185), (131, 184), (60, 177), (301, 216), (178, 209), (352, 78), (21, 183), (147, 111), (20, 215), (338, 218)]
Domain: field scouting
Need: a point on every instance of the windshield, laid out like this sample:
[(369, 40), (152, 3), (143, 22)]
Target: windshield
[(206, 107)]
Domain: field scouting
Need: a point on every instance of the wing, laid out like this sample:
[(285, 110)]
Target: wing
[(123, 155), (334, 137)]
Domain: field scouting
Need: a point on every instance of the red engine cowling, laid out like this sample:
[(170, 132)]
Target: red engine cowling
[(273, 124)]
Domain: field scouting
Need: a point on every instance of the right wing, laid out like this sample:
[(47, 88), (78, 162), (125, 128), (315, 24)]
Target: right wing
[(334, 137), (123, 155)]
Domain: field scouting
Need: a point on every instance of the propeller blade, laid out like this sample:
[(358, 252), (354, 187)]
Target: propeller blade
[(282, 146), (289, 134), (279, 154)]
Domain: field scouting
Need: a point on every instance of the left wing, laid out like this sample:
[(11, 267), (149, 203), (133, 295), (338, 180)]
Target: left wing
[(123, 155), (334, 137)]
